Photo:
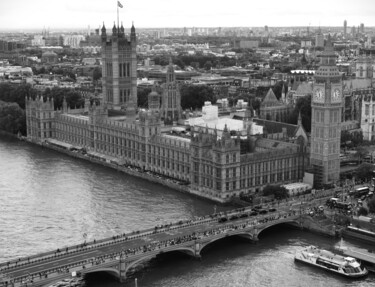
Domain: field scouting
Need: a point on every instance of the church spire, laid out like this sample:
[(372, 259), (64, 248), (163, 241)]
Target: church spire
[(132, 33), (299, 122)]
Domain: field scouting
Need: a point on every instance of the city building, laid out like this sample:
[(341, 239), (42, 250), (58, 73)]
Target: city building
[(171, 99), (326, 119), (49, 57), (319, 39), (364, 67), (218, 159), (273, 109), (345, 28), (119, 72), (362, 28), (367, 121)]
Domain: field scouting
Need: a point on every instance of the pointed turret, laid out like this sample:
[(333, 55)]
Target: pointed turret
[(121, 31), (65, 105), (170, 71), (104, 33), (299, 122), (114, 30), (132, 33), (283, 95)]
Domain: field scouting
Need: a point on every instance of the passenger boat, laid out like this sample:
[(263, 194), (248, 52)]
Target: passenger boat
[(346, 266), (367, 257)]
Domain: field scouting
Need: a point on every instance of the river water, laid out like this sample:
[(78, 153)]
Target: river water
[(49, 200)]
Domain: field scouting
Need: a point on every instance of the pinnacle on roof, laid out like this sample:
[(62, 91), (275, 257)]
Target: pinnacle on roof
[(122, 29), (329, 41), (299, 118), (114, 29)]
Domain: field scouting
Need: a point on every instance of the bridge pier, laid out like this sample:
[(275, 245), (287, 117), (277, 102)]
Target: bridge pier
[(122, 269), (197, 250)]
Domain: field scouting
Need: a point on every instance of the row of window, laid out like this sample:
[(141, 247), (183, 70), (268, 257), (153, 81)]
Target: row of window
[(367, 110), (246, 183), (319, 116), (319, 132), (333, 148), (124, 70)]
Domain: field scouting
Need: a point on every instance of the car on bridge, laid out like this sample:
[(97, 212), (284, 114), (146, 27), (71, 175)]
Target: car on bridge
[(222, 219), (233, 217), (253, 213)]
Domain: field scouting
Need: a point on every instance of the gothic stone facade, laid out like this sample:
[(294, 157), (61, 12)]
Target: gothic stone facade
[(217, 168), (326, 119)]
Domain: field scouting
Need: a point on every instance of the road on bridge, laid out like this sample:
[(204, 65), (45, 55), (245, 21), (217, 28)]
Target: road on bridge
[(60, 261)]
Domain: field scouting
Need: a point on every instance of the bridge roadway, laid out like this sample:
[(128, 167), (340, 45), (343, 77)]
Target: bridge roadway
[(118, 254)]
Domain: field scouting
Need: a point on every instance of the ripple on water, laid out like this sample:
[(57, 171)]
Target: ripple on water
[(48, 200)]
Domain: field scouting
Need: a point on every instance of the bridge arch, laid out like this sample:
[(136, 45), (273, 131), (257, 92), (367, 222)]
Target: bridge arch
[(243, 234), (186, 250), (112, 271), (272, 224)]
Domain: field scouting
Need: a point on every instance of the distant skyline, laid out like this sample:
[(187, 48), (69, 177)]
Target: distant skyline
[(59, 14)]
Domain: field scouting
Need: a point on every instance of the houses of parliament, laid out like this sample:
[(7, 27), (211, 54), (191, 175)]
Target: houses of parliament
[(217, 163)]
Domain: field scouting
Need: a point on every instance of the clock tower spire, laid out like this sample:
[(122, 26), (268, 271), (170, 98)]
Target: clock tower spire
[(326, 110)]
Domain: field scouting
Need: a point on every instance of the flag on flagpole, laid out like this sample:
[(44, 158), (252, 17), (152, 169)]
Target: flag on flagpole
[(119, 4)]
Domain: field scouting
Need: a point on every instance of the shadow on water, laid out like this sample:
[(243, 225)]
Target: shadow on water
[(162, 264), (178, 264)]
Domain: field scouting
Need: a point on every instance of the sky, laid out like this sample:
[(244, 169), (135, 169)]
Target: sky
[(56, 14)]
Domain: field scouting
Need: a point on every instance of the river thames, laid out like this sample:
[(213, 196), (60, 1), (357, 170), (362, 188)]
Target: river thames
[(49, 200)]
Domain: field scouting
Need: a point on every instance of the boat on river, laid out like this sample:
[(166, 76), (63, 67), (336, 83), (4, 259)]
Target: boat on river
[(367, 257), (345, 266)]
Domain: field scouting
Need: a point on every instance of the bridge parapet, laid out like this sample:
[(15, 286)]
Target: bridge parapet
[(84, 247), (118, 261)]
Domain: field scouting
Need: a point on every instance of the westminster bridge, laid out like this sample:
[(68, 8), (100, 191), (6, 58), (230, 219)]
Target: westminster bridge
[(119, 254)]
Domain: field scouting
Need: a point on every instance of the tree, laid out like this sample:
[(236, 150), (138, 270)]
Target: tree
[(256, 104), (208, 65), (351, 139), (179, 63), (371, 205), (16, 93), (194, 96), (279, 192), (361, 152), (12, 118), (277, 89), (96, 74), (142, 95), (73, 97), (363, 211), (303, 105), (364, 171)]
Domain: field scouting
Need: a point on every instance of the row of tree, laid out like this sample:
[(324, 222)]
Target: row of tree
[(198, 61), (12, 118), (17, 93), (12, 98), (192, 96)]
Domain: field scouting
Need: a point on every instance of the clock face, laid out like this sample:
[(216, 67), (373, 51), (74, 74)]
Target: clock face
[(319, 95), (336, 95)]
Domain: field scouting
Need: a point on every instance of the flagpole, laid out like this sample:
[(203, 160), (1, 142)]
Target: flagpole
[(117, 14)]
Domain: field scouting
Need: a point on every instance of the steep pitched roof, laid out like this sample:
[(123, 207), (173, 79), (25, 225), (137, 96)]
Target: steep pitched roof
[(357, 84), (270, 100), (277, 127), (304, 89)]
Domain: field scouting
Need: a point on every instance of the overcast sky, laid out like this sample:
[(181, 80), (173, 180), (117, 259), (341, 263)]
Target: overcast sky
[(25, 14)]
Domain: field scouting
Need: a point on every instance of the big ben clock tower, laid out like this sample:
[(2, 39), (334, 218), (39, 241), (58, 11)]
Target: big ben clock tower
[(326, 119)]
